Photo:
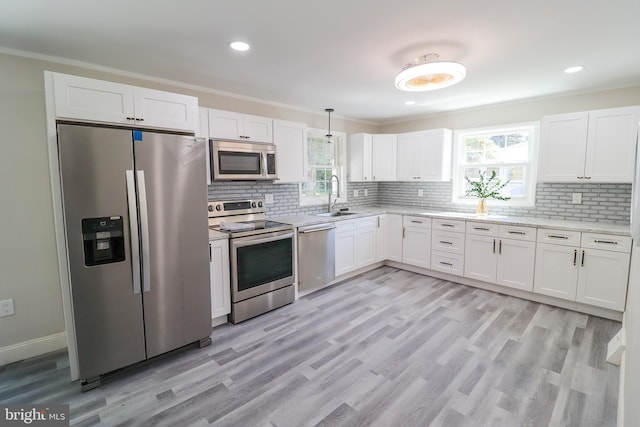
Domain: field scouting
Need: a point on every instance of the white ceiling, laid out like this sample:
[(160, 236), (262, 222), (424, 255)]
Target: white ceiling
[(344, 54)]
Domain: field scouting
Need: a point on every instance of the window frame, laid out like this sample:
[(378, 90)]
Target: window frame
[(531, 164), (340, 138)]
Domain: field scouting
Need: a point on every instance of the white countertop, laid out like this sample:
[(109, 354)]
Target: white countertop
[(217, 235), (359, 212)]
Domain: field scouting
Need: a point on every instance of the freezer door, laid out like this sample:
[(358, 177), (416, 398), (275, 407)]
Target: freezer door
[(107, 311), (172, 192)]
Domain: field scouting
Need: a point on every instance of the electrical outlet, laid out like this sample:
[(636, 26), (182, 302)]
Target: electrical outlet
[(6, 308), (576, 198), (420, 193), (366, 192), (355, 193), (268, 199)]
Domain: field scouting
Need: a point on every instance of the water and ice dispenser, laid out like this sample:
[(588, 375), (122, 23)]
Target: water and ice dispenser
[(103, 240)]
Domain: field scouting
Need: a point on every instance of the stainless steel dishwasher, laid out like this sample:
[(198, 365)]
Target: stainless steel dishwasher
[(316, 256)]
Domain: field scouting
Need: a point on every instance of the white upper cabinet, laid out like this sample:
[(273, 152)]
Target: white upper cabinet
[(289, 138), (97, 100), (424, 155), (231, 125), (594, 146), (372, 157)]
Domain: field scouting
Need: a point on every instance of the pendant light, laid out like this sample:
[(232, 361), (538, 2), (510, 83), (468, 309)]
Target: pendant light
[(431, 74), (328, 135)]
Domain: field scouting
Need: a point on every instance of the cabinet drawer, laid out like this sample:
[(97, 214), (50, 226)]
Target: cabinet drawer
[(447, 241), (607, 242), (518, 232), (447, 262), (416, 221), (448, 225), (482, 228), (559, 237), (345, 226)]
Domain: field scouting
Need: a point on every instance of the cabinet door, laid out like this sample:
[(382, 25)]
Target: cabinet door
[(416, 246), (289, 139), (219, 271), (562, 147), (345, 247), (165, 109), (360, 157), (383, 157), (556, 271), (407, 168), (365, 241), (381, 238), (434, 154), (516, 261), (89, 99), (257, 129), (611, 143), (394, 237), (603, 278), (225, 124), (480, 257)]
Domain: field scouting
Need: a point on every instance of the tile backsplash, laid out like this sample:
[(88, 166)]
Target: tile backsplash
[(600, 202)]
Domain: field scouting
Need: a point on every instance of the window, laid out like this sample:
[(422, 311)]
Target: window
[(510, 151), (323, 160)]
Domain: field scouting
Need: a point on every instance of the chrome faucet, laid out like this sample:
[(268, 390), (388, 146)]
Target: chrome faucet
[(331, 206)]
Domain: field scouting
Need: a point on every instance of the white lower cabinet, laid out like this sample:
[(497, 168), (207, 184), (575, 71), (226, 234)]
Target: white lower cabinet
[(345, 247), (416, 242), (585, 274), (219, 272), (504, 261), (394, 237), (366, 241)]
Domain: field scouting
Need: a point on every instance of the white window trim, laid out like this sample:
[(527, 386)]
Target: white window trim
[(342, 175), (534, 143)]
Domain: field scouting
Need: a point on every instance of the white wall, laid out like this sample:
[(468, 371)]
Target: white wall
[(517, 112), (632, 353), (28, 259)]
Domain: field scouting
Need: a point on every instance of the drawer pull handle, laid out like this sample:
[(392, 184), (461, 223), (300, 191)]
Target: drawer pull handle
[(608, 242), (416, 221), (445, 242), (522, 233), (446, 263), (554, 236), (575, 256), (447, 225), (481, 228)]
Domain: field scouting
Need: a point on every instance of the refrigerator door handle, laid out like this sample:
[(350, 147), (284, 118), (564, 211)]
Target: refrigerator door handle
[(144, 231), (133, 230)]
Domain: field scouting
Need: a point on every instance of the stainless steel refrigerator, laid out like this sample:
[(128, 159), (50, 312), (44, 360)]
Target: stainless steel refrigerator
[(137, 239)]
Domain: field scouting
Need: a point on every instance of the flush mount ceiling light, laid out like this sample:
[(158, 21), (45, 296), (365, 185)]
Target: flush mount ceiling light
[(431, 74), (328, 135), (239, 46)]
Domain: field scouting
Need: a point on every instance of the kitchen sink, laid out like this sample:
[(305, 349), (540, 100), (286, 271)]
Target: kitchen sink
[(332, 214)]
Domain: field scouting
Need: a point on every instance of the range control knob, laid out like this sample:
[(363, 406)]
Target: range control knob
[(210, 208), (218, 207), (259, 204), (253, 204)]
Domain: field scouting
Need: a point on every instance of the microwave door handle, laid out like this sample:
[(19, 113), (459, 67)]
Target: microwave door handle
[(264, 164)]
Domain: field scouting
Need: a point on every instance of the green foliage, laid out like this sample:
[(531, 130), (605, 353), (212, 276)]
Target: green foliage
[(487, 188)]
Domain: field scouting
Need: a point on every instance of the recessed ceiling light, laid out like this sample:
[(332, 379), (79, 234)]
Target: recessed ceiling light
[(409, 102), (573, 69), (239, 46)]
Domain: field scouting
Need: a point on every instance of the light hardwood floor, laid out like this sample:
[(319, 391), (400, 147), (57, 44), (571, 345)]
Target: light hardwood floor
[(386, 348)]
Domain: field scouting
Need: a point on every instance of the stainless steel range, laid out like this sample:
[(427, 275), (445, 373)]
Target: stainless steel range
[(261, 257)]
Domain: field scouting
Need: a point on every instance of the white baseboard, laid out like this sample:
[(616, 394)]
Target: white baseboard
[(32, 348), (217, 321)]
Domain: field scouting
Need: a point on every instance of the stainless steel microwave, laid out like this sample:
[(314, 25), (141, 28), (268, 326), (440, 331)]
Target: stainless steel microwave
[(242, 161)]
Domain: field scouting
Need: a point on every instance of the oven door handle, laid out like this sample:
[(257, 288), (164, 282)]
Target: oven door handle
[(243, 241)]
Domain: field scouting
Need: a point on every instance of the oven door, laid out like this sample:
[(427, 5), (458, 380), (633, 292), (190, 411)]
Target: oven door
[(261, 263)]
